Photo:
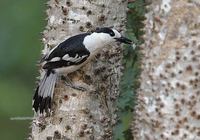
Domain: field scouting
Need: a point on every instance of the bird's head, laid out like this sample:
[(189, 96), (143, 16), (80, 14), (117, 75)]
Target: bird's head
[(101, 37), (109, 35)]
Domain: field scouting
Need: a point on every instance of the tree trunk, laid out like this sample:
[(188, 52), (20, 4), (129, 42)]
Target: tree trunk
[(169, 95), (81, 115)]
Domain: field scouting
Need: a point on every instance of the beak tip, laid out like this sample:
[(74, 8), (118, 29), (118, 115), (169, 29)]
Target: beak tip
[(124, 40)]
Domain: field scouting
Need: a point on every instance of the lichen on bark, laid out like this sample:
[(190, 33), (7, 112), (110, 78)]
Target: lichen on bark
[(91, 114), (168, 98)]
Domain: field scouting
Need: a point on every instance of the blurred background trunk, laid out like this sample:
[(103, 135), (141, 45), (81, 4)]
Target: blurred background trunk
[(169, 95), (91, 114)]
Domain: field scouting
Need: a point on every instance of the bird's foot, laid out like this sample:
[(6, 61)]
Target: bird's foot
[(75, 86), (70, 84)]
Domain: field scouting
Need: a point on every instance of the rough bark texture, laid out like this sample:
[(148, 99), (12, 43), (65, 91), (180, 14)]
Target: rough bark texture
[(169, 95), (83, 115)]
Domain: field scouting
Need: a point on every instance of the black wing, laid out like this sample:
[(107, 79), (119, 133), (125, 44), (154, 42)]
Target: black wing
[(70, 52)]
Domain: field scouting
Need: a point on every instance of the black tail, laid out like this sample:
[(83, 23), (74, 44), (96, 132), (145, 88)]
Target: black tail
[(44, 92)]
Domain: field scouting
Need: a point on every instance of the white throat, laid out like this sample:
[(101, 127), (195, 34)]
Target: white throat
[(96, 41)]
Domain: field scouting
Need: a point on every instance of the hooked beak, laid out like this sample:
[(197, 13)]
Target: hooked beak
[(124, 40)]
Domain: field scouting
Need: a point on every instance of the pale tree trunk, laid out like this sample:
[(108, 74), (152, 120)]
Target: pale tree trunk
[(169, 96), (83, 115)]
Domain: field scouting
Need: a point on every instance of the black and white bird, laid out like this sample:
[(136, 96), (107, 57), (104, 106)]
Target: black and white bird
[(68, 57)]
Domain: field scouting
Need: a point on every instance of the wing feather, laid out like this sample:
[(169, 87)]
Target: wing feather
[(70, 52)]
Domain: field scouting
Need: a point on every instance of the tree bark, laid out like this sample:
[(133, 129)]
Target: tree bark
[(78, 115), (169, 95)]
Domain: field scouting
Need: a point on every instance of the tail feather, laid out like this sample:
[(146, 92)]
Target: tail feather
[(44, 92), (43, 105), (36, 100)]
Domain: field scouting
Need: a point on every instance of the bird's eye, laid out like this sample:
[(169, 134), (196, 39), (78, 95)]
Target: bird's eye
[(112, 33)]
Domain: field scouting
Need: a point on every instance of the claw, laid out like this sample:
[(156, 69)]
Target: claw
[(69, 83)]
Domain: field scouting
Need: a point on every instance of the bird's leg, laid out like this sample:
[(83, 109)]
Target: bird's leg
[(69, 83)]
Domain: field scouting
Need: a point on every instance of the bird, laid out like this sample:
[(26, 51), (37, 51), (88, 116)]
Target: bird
[(69, 56)]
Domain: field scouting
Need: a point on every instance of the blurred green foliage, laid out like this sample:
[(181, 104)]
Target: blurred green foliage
[(131, 61), (21, 22)]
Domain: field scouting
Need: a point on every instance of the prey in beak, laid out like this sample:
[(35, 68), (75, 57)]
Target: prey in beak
[(124, 40)]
